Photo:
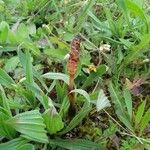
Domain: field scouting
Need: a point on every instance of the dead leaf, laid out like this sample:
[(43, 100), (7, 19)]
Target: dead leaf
[(136, 85)]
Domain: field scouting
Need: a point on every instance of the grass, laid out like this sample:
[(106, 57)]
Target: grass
[(111, 82)]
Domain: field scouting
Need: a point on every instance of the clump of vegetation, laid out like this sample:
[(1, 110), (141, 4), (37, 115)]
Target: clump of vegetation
[(59, 91)]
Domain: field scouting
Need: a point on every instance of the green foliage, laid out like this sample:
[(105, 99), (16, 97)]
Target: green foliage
[(79, 144), (31, 125), (35, 37)]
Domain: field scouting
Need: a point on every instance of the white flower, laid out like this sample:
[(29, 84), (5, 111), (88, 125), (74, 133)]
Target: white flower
[(67, 56), (105, 48), (146, 60)]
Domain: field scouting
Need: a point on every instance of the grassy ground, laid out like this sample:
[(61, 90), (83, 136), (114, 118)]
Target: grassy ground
[(111, 86)]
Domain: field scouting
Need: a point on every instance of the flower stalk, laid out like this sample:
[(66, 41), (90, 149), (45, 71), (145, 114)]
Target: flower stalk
[(72, 69)]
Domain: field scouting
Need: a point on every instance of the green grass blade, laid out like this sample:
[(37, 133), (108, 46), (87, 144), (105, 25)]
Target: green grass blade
[(128, 102), (94, 76), (145, 120), (122, 4), (4, 103), (136, 50), (83, 16), (115, 97), (139, 113), (6, 80), (81, 114), (119, 107), (135, 9), (29, 72)]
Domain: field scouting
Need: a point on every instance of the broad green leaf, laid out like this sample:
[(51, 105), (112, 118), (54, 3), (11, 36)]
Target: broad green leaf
[(12, 38), (140, 113), (83, 93), (14, 144), (31, 125), (4, 29), (8, 49), (11, 64), (6, 80), (26, 147), (135, 9), (94, 75), (145, 120), (81, 114), (76, 144), (128, 102), (32, 29), (52, 120), (102, 101), (56, 40), (22, 32), (56, 53), (56, 76), (6, 130)]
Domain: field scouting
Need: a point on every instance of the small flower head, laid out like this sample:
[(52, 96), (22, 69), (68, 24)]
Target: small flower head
[(105, 48)]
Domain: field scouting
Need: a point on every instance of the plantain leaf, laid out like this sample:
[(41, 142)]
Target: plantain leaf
[(31, 125), (6, 130), (14, 144), (11, 64), (26, 147), (4, 29), (57, 76), (53, 120), (77, 144)]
